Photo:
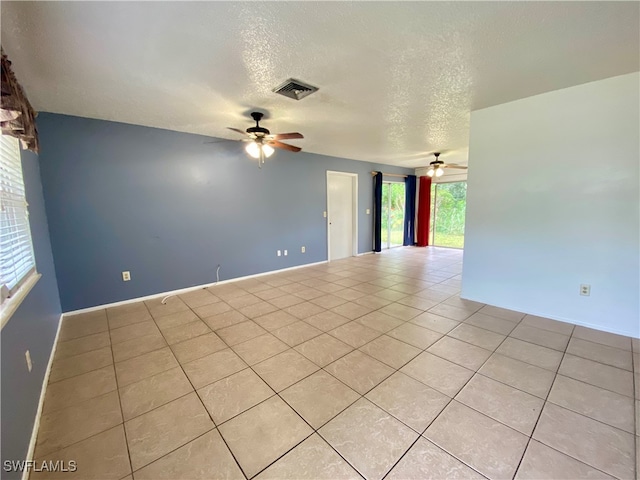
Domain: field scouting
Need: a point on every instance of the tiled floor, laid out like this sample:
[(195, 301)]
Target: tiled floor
[(367, 367)]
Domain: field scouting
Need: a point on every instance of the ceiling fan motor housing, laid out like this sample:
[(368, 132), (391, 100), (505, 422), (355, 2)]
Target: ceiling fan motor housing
[(257, 116)]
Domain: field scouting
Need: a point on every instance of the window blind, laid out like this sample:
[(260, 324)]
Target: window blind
[(16, 250)]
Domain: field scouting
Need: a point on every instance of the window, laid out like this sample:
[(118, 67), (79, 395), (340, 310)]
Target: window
[(17, 262), (448, 207)]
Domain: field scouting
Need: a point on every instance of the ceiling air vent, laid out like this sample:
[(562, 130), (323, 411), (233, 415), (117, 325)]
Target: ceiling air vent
[(295, 89)]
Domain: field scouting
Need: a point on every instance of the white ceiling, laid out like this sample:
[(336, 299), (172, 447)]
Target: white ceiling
[(397, 79)]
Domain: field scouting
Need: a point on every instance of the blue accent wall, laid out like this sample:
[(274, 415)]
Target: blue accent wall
[(170, 207), (32, 327)]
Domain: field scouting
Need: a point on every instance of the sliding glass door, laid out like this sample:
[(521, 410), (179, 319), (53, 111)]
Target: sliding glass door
[(393, 198), (448, 206)]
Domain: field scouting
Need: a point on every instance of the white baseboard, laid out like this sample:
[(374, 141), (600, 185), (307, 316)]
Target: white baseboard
[(365, 253), (36, 424), (188, 289)]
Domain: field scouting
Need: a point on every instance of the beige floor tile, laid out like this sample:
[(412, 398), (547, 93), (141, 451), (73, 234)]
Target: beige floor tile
[(493, 324), (260, 435), (449, 311), (489, 447), (329, 301), (122, 334), (379, 321), (274, 320), (232, 395), (127, 308), (124, 319), (257, 309), (260, 348), (327, 320), (61, 428), (548, 324), (75, 390), (160, 431), (225, 319), (304, 310), (401, 312), (541, 461), (372, 301), (359, 371), (199, 298), (101, 457), (174, 319), (351, 310), (392, 295), (140, 397), (82, 345), (435, 322), (420, 303), (243, 301), (296, 333), (79, 364), (605, 338), (456, 301), (185, 332), (601, 446), (531, 353), (197, 347), (240, 332), (390, 351), (544, 338), (601, 353), (284, 369), (319, 397), (84, 324), (138, 346), (324, 349), (204, 458), (171, 305), (309, 293), (462, 353), (502, 313), (520, 375), (313, 459), (510, 406), (435, 372), (598, 374), (594, 402), (214, 367), (368, 438), (351, 295), (286, 300), (137, 368), (477, 336), (213, 310), (415, 335), (354, 334), (410, 401), (427, 461)]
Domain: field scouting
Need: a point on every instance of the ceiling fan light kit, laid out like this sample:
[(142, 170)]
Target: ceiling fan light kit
[(262, 142), (436, 168)]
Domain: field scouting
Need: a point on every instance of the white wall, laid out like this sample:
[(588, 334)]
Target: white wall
[(553, 202)]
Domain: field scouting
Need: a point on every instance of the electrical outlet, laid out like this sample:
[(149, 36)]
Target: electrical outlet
[(126, 276), (585, 290), (28, 357), (303, 249), (279, 253), (324, 214), (286, 253)]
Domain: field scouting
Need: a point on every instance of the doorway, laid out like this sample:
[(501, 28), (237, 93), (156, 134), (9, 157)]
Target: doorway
[(393, 200), (448, 208), (342, 216)]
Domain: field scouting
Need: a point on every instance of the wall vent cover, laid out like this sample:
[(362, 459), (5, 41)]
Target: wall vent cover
[(295, 89)]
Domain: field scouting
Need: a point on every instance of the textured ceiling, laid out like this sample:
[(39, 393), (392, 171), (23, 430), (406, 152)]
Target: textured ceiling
[(397, 79)]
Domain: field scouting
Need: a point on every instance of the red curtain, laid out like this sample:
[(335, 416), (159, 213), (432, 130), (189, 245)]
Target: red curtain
[(424, 211)]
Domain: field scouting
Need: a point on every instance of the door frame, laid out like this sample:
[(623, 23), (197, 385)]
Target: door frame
[(354, 212)]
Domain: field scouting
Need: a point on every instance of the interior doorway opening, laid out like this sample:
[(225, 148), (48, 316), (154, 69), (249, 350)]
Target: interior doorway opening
[(448, 208), (393, 203)]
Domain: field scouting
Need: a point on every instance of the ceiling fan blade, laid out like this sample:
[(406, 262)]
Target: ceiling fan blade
[(284, 146), (237, 130), (287, 136), (461, 167)]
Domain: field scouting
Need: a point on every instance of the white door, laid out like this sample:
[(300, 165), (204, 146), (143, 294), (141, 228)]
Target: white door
[(341, 197)]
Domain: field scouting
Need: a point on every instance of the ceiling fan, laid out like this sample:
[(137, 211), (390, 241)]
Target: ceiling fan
[(262, 142), (437, 166)]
